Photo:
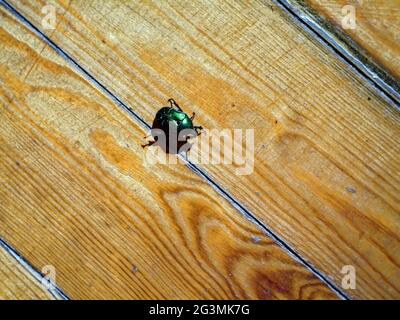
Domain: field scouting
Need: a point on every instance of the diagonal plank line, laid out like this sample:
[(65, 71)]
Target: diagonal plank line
[(67, 57), (54, 290), (345, 48), (196, 169)]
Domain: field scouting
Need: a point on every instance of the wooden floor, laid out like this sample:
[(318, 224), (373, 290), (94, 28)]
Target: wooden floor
[(77, 195), (17, 282), (377, 27)]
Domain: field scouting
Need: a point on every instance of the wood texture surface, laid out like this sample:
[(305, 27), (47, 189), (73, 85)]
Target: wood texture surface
[(327, 163), (377, 27), (76, 194), (18, 283)]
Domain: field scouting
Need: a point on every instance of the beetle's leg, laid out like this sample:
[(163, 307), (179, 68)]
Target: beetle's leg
[(192, 117), (148, 144), (198, 129), (173, 103)]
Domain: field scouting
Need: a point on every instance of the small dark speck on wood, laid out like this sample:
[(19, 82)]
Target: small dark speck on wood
[(351, 190), (134, 269)]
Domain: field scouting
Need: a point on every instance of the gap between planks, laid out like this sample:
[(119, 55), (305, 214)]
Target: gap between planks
[(344, 48), (53, 289), (196, 169)]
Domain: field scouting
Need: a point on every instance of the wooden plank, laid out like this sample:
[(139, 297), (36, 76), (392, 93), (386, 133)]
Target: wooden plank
[(17, 283), (77, 194), (326, 172), (343, 45), (377, 27)]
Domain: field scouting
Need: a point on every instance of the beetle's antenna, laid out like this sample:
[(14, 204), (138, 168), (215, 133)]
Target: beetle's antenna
[(173, 103), (192, 117)]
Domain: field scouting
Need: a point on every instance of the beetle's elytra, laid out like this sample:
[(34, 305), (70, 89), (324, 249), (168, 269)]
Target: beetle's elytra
[(173, 118)]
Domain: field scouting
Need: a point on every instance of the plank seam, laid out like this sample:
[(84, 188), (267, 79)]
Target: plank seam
[(196, 169), (346, 49), (54, 290)]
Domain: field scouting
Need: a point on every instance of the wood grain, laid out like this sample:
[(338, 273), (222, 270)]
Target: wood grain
[(377, 27), (319, 130), (77, 194), (16, 283)]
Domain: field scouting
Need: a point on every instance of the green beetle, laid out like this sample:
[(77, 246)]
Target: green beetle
[(175, 119)]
